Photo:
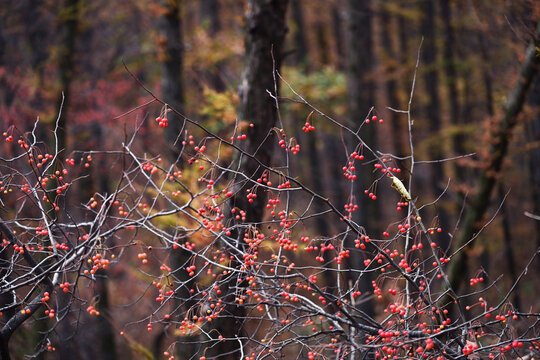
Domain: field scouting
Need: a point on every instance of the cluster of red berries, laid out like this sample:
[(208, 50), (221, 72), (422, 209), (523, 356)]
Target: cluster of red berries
[(374, 118), (403, 228), (348, 171), (295, 149), (65, 287), (350, 207), (401, 204), (162, 122), (370, 194), (143, 257), (8, 138), (191, 270), (475, 281), (19, 249), (46, 297), (62, 246), (251, 196), (240, 137), (469, 348), (92, 310), (308, 127), (50, 313)]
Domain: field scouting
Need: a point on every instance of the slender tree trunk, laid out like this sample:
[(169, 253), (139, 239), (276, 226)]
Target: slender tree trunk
[(210, 18), (266, 29), (3, 44), (337, 21), (391, 57), (361, 89), (264, 44), (361, 97), (313, 156), (69, 23), (533, 136), (499, 141), (433, 111), (509, 247), (490, 110), (210, 13), (322, 43), (171, 50), (451, 78), (300, 40), (105, 327)]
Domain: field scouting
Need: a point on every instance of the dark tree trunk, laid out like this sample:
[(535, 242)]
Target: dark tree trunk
[(314, 180), (266, 33), (361, 97), (509, 247), (391, 57), (451, 78), (106, 333), (266, 29), (210, 18), (107, 344), (533, 136), (69, 23), (210, 14), (499, 141), (490, 110), (322, 44), (171, 50), (3, 44), (486, 76), (300, 40), (37, 33), (337, 24), (433, 110), (361, 89), (431, 76)]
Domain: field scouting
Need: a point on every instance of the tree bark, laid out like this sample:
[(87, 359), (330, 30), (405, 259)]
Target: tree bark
[(266, 32), (361, 88), (337, 21), (171, 49), (451, 78), (300, 39), (266, 29), (210, 13), (210, 19), (391, 58), (499, 140), (533, 136), (69, 23), (360, 92)]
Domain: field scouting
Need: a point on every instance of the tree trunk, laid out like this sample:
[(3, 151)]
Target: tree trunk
[(391, 58), (499, 141), (300, 41), (451, 78), (533, 137), (69, 23), (509, 247), (210, 19), (361, 97), (337, 21), (266, 33), (266, 29), (210, 14), (361, 90), (171, 49)]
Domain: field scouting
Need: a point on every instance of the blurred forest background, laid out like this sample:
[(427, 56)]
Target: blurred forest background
[(343, 56)]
